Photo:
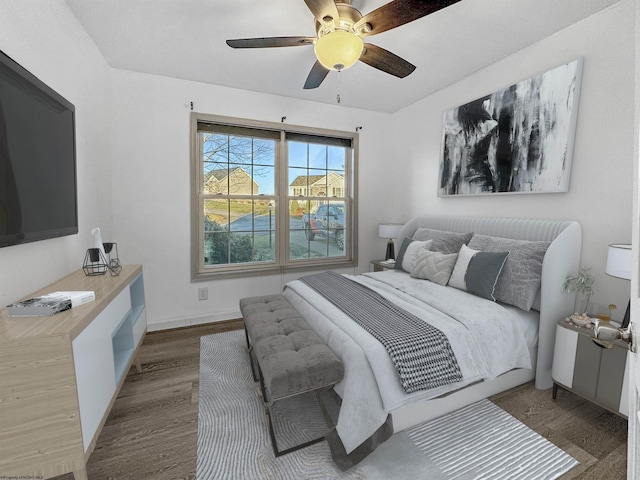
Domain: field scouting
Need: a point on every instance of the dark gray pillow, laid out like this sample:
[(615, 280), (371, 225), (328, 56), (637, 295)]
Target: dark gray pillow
[(520, 279), (483, 273), (443, 241), (400, 255)]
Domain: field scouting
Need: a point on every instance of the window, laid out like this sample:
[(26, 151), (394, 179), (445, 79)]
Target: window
[(267, 198)]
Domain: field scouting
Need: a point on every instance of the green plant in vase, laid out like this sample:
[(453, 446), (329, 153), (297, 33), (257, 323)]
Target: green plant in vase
[(582, 284)]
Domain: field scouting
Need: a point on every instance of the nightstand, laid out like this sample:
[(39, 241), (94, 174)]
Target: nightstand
[(594, 369), (380, 265)]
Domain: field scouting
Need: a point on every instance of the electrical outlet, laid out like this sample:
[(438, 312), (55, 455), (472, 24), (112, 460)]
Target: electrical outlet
[(203, 293)]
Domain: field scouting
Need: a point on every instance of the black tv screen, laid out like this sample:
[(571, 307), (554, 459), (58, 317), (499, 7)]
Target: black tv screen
[(38, 188)]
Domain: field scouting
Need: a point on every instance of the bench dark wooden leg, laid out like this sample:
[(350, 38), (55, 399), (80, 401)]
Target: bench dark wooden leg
[(555, 391), (249, 350), (274, 443), (268, 404)]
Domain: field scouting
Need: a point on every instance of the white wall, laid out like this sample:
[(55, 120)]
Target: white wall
[(133, 131), (151, 195), (45, 38), (600, 193)]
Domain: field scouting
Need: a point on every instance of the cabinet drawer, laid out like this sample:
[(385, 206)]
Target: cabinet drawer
[(587, 366), (611, 377)]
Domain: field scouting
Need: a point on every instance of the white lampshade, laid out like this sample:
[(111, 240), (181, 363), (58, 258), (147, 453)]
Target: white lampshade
[(389, 230), (619, 261)]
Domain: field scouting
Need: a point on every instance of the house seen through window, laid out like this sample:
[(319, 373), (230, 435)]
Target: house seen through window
[(268, 198)]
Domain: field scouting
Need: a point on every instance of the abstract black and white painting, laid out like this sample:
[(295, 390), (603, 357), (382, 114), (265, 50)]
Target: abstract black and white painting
[(516, 140)]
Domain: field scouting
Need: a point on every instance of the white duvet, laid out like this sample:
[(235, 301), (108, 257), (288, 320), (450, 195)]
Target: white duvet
[(486, 340)]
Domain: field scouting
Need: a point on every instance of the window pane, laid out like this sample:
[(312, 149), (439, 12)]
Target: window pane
[(239, 231), (336, 159), (318, 156), (215, 148), (264, 180), (318, 234), (264, 152), (317, 183), (297, 153)]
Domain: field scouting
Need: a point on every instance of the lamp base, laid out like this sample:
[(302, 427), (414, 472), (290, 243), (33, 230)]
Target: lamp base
[(391, 254)]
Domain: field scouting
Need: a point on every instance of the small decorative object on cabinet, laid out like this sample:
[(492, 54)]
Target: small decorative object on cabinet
[(60, 375), (94, 263), (380, 265), (583, 284), (113, 262), (595, 369)]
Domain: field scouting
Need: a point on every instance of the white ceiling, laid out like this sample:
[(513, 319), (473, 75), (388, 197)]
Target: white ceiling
[(186, 39)]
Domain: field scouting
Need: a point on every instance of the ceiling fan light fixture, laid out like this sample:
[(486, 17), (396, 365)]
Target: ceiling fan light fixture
[(338, 50)]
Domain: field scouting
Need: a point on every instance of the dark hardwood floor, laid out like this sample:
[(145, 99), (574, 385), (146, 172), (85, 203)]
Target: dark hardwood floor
[(151, 432)]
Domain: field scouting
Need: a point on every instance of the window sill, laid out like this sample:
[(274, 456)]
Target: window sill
[(254, 271)]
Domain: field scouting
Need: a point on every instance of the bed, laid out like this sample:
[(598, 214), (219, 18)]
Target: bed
[(495, 345)]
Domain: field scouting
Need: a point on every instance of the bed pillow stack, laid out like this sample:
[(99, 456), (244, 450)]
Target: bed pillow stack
[(520, 280), (496, 268)]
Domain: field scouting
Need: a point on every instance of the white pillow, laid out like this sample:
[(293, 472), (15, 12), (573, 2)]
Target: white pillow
[(434, 266), (457, 279), (411, 253)]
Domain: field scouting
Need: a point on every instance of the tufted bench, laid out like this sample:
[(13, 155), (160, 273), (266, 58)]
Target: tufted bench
[(291, 358)]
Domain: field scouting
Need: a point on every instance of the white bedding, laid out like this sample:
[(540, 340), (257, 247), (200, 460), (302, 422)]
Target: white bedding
[(486, 339)]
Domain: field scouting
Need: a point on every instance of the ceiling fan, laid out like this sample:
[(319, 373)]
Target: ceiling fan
[(340, 29)]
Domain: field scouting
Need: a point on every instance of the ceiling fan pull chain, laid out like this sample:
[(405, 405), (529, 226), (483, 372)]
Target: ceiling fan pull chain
[(338, 95)]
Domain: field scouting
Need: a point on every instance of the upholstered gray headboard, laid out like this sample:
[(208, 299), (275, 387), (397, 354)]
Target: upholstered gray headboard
[(561, 259)]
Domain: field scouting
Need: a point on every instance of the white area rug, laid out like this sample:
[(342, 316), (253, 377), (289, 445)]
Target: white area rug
[(478, 442)]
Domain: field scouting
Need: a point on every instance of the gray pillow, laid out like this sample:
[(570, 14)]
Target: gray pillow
[(434, 266), (520, 279), (443, 241), (400, 255)]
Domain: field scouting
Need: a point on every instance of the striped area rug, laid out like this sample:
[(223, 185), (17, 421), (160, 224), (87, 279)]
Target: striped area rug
[(478, 442), (483, 441)]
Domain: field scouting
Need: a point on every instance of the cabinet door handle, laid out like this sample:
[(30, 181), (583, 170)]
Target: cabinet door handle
[(602, 344)]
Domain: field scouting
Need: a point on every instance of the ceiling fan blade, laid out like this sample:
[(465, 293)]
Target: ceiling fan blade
[(322, 9), (267, 42), (316, 76), (386, 61), (399, 12)]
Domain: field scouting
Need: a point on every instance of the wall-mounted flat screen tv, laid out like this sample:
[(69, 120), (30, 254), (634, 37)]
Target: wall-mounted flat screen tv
[(38, 187)]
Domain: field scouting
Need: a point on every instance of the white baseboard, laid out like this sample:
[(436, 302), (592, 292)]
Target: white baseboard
[(188, 322)]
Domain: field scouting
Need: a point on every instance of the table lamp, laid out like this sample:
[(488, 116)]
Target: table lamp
[(389, 231), (619, 265)]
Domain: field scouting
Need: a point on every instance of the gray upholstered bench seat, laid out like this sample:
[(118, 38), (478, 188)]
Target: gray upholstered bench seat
[(291, 358)]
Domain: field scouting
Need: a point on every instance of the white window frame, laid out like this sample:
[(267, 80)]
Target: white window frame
[(282, 196)]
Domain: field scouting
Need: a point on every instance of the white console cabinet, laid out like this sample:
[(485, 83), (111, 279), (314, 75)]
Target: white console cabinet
[(60, 375)]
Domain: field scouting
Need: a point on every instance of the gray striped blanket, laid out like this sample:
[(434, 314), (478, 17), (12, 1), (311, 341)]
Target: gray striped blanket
[(421, 353)]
